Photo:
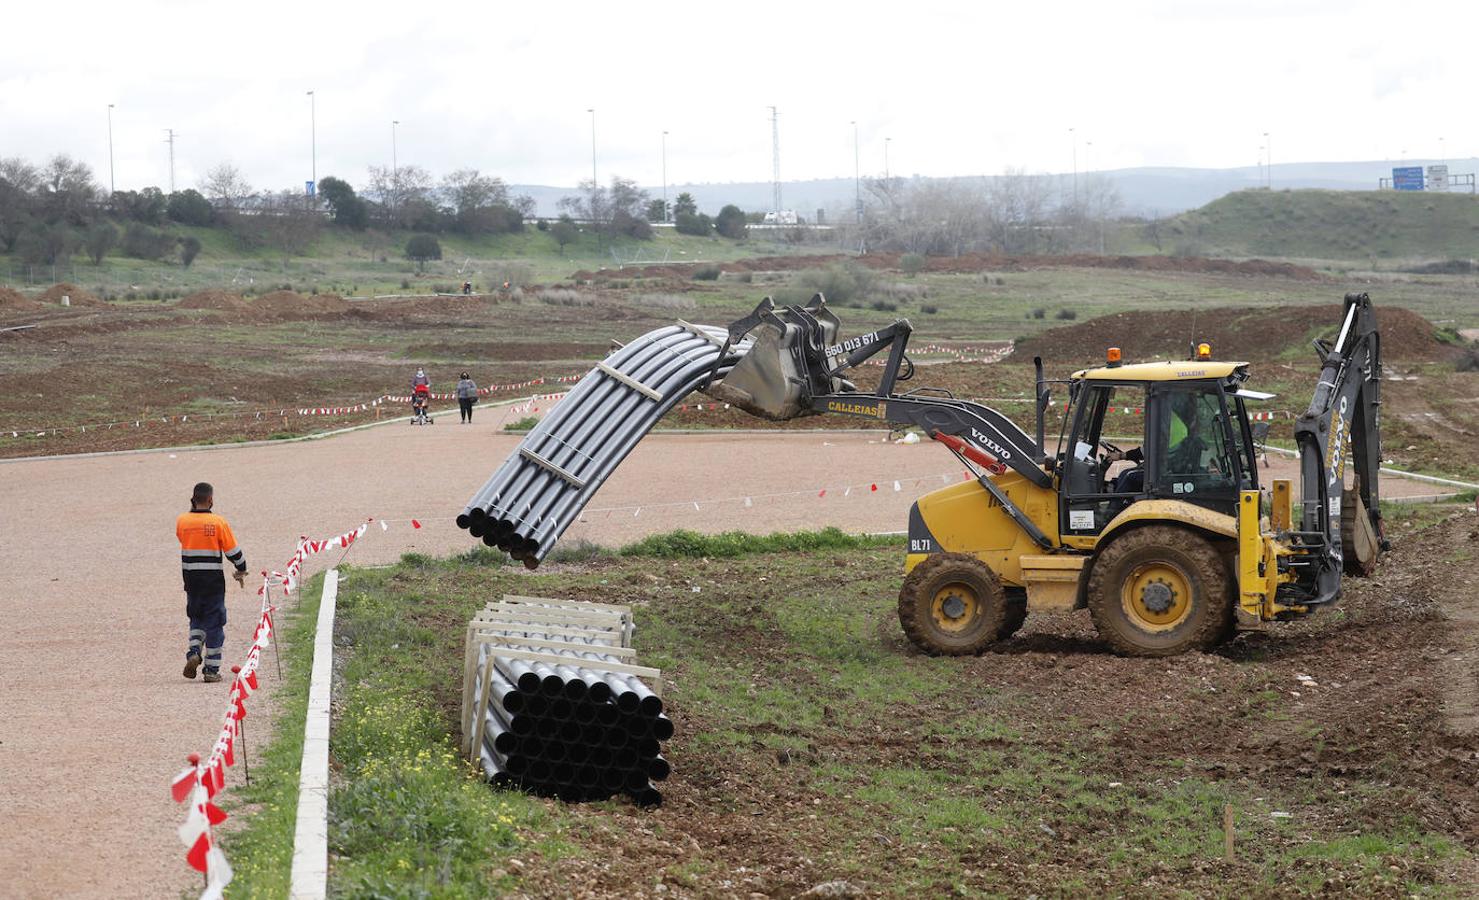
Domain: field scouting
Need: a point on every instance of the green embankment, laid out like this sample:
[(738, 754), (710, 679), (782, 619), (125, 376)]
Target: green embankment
[(1333, 225), (367, 262)]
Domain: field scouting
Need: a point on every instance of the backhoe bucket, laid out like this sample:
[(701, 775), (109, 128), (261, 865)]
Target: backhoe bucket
[(786, 366)]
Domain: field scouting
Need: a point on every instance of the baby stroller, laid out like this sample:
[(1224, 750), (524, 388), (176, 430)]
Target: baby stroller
[(420, 414)]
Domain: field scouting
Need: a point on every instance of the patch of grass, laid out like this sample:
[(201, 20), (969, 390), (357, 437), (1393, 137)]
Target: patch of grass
[(261, 852), (682, 543), (408, 817), (525, 424)]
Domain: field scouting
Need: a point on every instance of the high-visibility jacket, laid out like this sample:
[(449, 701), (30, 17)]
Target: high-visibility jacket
[(205, 539)]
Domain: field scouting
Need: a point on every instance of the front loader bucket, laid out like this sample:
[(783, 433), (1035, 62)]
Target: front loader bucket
[(786, 366)]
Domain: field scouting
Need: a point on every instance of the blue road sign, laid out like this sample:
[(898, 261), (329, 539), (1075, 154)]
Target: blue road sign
[(1407, 178), (309, 186)]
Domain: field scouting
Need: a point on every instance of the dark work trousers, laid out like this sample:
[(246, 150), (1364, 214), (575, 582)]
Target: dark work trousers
[(466, 404), (205, 604)]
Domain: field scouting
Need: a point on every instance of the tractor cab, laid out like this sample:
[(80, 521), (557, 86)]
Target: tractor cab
[(1174, 430)]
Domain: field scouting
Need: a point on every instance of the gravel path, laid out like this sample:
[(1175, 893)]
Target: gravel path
[(94, 716)]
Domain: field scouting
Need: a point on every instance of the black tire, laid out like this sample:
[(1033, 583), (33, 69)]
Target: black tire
[(1160, 590), (952, 605)]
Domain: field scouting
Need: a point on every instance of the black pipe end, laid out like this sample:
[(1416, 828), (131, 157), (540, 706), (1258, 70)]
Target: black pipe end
[(662, 728)]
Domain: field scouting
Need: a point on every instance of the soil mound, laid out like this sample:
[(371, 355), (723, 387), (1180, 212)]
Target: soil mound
[(292, 305), (1258, 333), (15, 301), (217, 300), (75, 295)]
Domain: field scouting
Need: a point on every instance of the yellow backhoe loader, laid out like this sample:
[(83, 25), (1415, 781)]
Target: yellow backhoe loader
[(1168, 545)]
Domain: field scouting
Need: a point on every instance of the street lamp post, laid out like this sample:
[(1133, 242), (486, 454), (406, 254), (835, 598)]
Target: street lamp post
[(595, 180), (1074, 141), (313, 141), (112, 188), (885, 157), (395, 171), (857, 178), (1268, 165), (664, 176)]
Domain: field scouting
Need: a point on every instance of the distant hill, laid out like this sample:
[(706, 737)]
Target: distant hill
[(1329, 225), (1147, 191)]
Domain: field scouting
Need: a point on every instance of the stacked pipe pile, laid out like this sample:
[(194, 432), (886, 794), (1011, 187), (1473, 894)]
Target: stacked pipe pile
[(554, 704), (556, 470)]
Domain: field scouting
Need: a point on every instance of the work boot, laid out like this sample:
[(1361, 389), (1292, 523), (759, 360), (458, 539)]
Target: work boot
[(192, 662), (210, 677)]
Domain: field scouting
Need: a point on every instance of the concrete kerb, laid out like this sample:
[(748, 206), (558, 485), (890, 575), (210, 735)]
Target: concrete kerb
[(310, 872)]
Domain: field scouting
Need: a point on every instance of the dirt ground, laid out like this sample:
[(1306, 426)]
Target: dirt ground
[(1355, 720)]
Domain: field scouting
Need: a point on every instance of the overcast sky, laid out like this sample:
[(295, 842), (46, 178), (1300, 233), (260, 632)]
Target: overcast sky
[(960, 88)]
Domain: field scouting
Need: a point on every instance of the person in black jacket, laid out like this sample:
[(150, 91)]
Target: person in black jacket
[(467, 395)]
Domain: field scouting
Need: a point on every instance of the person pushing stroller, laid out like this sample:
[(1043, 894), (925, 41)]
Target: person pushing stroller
[(420, 398)]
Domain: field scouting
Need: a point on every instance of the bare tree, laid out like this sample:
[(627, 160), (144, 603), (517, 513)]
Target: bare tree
[(1018, 206), (225, 186), (405, 195), (479, 202)]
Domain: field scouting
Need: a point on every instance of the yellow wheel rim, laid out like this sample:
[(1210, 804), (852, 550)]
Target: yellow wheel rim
[(1156, 596), (955, 607)]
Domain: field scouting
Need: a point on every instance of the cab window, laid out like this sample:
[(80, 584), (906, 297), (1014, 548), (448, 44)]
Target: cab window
[(1196, 451)]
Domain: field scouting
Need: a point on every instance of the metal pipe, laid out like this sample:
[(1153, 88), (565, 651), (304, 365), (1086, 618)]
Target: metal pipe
[(589, 414), (662, 728), (534, 500), (605, 422), (658, 768), (474, 510)]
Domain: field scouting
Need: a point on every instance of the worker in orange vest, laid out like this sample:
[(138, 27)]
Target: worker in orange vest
[(205, 539)]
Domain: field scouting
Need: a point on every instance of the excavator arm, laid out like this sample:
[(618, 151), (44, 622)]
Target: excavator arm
[(1340, 529), (797, 367)]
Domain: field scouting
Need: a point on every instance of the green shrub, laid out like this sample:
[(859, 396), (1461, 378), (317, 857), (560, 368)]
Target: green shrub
[(744, 277), (576, 552), (691, 544), (693, 223), (885, 306), (1039, 313), (841, 283), (525, 424), (707, 273), (929, 309), (911, 264), (1066, 314)]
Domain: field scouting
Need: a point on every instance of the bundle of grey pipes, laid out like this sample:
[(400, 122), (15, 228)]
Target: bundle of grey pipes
[(576, 731), (543, 486)]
